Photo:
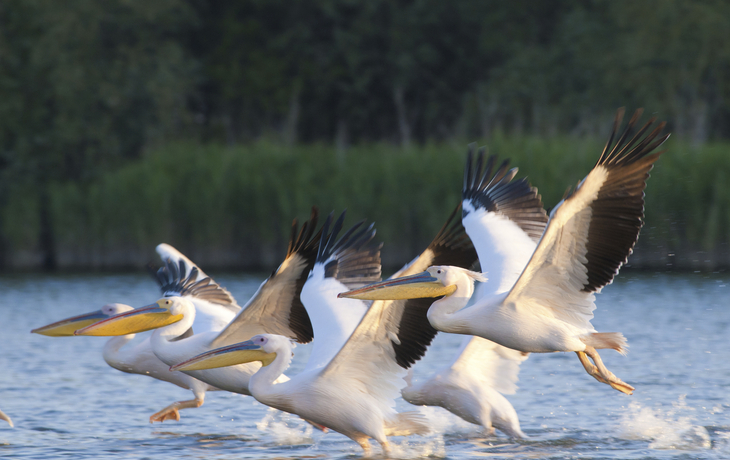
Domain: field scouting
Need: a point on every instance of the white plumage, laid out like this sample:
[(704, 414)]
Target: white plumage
[(132, 358), (354, 392), (196, 314), (589, 236)]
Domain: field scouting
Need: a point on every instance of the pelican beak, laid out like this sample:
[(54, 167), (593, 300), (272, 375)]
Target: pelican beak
[(244, 352), (409, 287), (134, 321), (66, 327)]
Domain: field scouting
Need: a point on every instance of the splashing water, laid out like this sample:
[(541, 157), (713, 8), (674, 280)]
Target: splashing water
[(286, 429), (674, 428)]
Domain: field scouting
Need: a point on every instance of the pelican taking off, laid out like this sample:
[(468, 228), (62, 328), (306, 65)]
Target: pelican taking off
[(354, 392), (589, 236), (133, 359), (216, 308), (472, 384), (274, 308)]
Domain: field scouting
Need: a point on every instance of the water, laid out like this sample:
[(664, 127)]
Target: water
[(67, 403)]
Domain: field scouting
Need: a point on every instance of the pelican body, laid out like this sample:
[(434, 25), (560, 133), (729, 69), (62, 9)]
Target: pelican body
[(472, 386), (353, 390), (133, 359), (275, 307), (589, 235), (214, 309)]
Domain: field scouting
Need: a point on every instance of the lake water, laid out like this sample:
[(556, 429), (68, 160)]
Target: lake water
[(67, 403)]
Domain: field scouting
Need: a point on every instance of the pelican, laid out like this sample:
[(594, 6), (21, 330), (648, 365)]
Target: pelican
[(472, 384), (274, 308), (353, 389), (589, 235), (3, 416), (137, 359)]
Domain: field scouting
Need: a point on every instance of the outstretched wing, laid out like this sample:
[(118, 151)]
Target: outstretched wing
[(592, 231), (180, 276), (504, 219), (394, 334), (489, 363), (344, 263), (276, 307)]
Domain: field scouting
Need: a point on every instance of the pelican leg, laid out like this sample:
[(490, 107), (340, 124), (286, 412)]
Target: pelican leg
[(171, 412), (386, 449), (365, 444), (6, 418), (615, 382), (589, 367)]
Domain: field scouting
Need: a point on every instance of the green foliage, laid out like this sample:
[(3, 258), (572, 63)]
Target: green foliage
[(213, 199), (96, 96)]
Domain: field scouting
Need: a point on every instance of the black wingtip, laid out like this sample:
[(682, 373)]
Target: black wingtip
[(494, 189), (618, 208), (631, 145), (354, 258), (174, 280)]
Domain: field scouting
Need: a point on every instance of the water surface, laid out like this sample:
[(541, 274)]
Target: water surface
[(67, 403)]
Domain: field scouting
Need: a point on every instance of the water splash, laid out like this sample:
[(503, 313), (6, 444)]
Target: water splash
[(674, 428), (286, 429), (443, 422), (412, 447)]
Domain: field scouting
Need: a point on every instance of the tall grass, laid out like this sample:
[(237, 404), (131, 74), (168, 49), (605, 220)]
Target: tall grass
[(233, 206)]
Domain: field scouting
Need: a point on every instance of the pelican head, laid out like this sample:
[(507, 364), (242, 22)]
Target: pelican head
[(161, 313), (436, 281), (263, 348), (66, 327)]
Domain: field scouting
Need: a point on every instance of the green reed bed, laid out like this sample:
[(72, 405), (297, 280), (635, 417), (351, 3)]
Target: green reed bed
[(233, 206)]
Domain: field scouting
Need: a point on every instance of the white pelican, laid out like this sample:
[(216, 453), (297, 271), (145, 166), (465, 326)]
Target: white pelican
[(134, 359), (274, 308), (472, 384), (215, 310), (3, 416), (589, 236), (354, 392)]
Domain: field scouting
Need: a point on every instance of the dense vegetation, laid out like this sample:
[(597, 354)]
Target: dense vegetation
[(233, 206), (212, 124)]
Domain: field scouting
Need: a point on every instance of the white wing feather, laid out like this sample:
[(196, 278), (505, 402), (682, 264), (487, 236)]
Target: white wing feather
[(553, 280)]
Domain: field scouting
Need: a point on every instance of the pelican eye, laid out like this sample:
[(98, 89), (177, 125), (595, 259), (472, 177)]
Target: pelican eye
[(438, 271)]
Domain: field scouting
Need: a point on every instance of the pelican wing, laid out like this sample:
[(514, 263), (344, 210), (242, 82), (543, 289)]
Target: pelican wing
[(489, 363), (342, 264), (451, 246), (167, 252), (592, 231), (368, 359), (504, 218), (395, 334), (180, 276), (276, 307)]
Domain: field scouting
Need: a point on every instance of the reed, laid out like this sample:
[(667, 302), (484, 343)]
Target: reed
[(233, 206)]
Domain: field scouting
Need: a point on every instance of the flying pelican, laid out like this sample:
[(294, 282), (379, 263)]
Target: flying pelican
[(274, 308), (354, 392), (214, 310), (472, 384), (137, 359), (3, 416), (589, 236)]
